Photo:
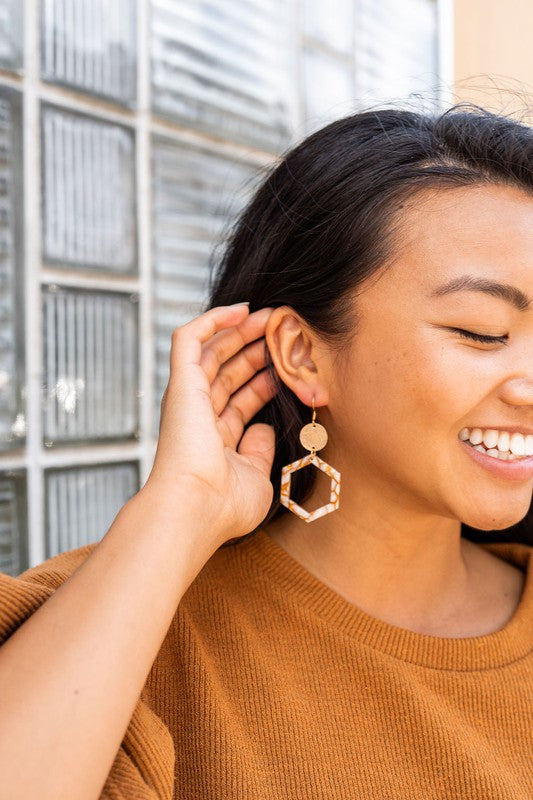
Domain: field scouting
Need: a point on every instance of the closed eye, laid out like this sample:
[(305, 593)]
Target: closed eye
[(478, 337)]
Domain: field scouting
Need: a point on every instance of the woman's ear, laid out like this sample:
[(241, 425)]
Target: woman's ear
[(299, 357)]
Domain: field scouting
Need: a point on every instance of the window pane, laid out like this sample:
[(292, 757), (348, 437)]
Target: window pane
[(12, 412), (196, 195), (82, 502), (396, 49), (90, 365), (330, 23), (88, 192), (222, 68), (90, 45), (328, 87), (13, 522), (11, 35)]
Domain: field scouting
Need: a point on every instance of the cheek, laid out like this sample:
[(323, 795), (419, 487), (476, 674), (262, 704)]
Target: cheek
[(410, 390), (438, 388)]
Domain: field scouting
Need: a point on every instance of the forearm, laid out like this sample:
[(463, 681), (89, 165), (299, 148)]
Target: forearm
[(70, 677)]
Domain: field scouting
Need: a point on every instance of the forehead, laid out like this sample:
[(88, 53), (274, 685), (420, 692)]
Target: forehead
[(444, 233)]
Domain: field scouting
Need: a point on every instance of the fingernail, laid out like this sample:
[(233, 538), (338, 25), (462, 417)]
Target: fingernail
[(244, 303)]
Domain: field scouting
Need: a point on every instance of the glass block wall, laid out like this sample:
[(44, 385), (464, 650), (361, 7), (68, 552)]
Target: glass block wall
[(88, 221), (83, 501), (131, 135)]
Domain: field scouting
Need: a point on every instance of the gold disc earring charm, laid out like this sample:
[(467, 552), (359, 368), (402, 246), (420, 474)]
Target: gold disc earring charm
[(313, 437)]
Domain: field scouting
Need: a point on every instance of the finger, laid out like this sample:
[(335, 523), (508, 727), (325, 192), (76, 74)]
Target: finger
[(186, 375), (236, 372), (259, 445), (187, 340), (225, 344), (243, 405)]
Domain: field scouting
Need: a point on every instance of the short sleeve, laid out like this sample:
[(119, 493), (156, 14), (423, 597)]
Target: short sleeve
[(144, 765)]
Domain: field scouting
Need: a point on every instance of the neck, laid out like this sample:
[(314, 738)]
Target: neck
[(416, 572)]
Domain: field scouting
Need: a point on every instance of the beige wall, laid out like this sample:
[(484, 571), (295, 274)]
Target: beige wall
[(494, 52)]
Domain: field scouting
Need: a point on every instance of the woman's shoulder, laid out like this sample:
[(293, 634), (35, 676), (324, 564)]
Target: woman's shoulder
[(21, 595), (230, 571), (56, 569), (516, 553), (509, 562), (502, 571)]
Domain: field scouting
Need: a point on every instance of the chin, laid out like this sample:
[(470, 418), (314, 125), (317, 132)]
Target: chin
[(494, 521)]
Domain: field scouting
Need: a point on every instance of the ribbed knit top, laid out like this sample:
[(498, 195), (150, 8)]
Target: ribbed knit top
[(269, 685), (497, 649)]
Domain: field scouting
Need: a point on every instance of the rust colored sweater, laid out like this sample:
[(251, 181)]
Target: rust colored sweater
[(271, 686)]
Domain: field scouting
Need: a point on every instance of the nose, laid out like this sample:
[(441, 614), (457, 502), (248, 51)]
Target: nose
[(518, 391)]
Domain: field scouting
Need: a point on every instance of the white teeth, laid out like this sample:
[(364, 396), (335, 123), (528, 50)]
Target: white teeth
[(494, 453), (476, 436), (498, 444), (504, 440), (490, 438), (503, 456), (518, 445)]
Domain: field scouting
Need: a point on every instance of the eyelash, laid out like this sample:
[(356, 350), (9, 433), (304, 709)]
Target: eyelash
[(478, 337)]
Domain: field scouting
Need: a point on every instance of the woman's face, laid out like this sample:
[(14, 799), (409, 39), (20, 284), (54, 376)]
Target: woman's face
[(410, 383)]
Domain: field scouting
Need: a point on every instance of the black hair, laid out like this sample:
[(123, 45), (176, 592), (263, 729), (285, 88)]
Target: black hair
[(323, 220)]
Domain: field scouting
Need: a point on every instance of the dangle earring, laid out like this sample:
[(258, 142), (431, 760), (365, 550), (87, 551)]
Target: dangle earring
[(313, 437)]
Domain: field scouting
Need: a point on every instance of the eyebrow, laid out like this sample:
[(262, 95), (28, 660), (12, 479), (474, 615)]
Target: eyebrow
[(503, 291)]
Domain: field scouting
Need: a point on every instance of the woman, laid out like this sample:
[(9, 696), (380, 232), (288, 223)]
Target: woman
[(216, 645)]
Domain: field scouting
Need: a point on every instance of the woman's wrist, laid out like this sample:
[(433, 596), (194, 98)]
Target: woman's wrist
[(182, 521)]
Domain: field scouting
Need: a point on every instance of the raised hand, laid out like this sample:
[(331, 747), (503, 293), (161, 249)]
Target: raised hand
[(217, 384)]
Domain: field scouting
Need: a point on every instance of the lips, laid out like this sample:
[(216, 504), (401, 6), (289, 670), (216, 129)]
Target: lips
[(519, 470)]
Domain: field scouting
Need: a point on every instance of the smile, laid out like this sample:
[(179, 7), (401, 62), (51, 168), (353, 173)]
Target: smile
[(501, 464), (499, 444)]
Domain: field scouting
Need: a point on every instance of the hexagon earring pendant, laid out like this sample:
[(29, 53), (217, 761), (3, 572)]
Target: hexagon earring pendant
[(313, 437)]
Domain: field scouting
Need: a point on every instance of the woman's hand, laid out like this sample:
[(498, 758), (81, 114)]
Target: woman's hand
[(217, 384)]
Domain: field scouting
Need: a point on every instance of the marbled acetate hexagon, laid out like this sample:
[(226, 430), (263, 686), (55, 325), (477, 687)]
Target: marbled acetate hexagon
[(286, 472)]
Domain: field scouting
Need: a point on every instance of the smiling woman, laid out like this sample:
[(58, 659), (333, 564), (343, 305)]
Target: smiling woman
[(238, 652), (397, 248)]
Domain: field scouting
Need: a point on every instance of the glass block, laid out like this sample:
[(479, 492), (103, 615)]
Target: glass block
[(11, 34), (13, 522), (88, 192), (396, 52), (330, 23), (91, 45), (90, 365), (82, 502), (12, 405), (224, 68), (196, 195), (328, 88)]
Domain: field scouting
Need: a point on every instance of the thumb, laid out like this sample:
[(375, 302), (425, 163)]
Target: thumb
[(258, 444)]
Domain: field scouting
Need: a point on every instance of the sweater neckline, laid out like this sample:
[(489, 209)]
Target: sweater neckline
[(489, 651)]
